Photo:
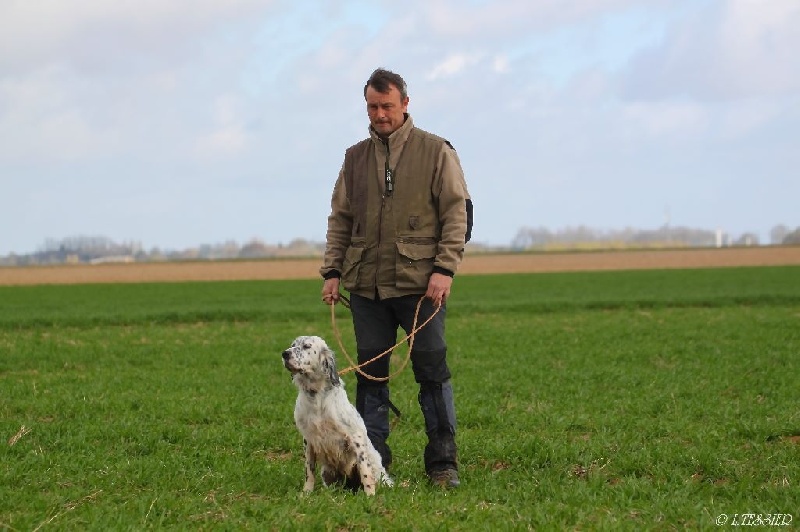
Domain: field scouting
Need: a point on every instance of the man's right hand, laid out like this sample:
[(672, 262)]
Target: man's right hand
[(330, 291)]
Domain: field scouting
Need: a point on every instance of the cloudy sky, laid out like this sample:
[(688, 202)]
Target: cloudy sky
[(182, 122)]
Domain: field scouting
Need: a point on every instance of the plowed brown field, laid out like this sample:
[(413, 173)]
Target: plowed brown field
[(473, 264)]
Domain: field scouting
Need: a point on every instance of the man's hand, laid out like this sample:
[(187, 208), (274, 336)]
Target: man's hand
[(330, 291), (439, 288)]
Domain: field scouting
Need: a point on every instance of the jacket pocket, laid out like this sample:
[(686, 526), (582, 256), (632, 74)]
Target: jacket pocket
[(351, 268), (415, 264)]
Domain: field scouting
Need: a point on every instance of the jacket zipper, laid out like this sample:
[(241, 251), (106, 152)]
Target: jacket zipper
[(388, 189)]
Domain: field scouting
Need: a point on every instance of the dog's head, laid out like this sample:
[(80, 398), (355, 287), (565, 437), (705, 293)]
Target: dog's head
[(311, 362)]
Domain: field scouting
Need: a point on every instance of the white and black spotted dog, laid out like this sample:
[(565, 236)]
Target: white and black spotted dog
[(334, 435)]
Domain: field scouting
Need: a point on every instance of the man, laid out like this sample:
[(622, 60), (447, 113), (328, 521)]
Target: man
[(400, 217)]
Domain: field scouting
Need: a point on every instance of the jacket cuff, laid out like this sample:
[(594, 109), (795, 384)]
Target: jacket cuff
[(443, 271), (333, 274)]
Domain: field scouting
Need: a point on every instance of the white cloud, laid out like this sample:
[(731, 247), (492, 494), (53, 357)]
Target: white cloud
[(684, 120), (43, 31), (42, 118), (90, 78), (728, 50), (229, 137), (457, 19), (452, 65), (251, 100), (500, 64), (757, 44), (227, 141), (747, 117)]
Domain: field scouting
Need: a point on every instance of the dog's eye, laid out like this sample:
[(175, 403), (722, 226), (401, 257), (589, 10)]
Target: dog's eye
[(306, 346)]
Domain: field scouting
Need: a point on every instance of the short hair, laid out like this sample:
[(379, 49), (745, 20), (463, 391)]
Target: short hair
[(382, 78)]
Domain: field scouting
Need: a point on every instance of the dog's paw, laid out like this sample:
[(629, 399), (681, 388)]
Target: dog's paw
[(387, 481)]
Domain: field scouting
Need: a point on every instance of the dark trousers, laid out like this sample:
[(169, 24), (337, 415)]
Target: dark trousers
[(376, 323)]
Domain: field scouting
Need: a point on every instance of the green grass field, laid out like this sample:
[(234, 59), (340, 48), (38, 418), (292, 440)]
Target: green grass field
[(608, 400)]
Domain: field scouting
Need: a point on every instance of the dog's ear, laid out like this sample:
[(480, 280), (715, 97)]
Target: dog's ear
[(329, 362)]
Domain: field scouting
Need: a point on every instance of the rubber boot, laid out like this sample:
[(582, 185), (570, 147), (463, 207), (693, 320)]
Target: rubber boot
[(438, 409), (372, 402)]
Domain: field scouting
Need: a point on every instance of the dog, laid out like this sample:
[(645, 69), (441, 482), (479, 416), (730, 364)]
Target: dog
[(334, 434)]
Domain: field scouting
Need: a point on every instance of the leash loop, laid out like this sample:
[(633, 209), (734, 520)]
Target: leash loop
[(410, 337)]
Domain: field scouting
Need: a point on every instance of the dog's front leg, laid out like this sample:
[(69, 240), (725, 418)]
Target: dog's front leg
[(368, 479), (311, 464), (366, 470)]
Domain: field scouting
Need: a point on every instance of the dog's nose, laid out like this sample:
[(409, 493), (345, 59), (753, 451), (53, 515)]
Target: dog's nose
[(287, 354)]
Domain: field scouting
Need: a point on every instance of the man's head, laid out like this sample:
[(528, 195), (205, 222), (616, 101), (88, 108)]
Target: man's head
[(387, 101)]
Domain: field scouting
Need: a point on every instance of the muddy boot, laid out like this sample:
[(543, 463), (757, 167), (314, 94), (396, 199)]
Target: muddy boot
[(438, 409), (444, 478), (372, 402)]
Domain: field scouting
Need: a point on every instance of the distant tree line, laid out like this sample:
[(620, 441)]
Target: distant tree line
[(582, 237), (83, 249), (98, 249), (781, 234)]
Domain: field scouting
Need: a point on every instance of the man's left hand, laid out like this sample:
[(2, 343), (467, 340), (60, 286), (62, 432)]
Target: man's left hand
[(439, 288)]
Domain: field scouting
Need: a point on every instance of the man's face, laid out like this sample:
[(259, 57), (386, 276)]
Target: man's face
[(386, 110)]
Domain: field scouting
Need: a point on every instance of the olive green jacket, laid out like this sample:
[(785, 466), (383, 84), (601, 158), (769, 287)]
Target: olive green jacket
[(387, 235)]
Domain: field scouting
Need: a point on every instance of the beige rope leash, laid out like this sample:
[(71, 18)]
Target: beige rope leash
[(410, 337)]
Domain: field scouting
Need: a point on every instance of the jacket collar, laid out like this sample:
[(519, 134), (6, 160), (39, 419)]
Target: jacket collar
[(396, 139)]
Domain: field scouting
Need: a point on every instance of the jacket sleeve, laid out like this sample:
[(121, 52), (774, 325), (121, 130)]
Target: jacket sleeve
[(340, 225), (450, 187)]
